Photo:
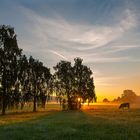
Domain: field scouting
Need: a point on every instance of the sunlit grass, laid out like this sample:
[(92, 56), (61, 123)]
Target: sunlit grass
[(20, 117), (97, 123), (26, 114)]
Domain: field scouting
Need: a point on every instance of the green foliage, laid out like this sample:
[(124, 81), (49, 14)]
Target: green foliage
[(74, 82), (21, 79), (9, 54), (25, 79)]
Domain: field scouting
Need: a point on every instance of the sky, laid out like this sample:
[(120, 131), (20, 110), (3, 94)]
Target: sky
[(104, 33)]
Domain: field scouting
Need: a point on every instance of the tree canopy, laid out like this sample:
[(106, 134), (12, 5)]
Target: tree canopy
[(75, 83), (24, 79), (21, 79)]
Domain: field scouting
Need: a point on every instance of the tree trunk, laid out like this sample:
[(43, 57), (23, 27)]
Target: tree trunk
[(69, 103), (88, 102), (3, 101), (34, 104), (22, 105), (4, 94), (43, 102)]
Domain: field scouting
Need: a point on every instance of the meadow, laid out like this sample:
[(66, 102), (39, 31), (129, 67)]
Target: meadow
[(97, 122)]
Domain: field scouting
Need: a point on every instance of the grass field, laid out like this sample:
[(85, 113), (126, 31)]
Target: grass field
[(99, 122)]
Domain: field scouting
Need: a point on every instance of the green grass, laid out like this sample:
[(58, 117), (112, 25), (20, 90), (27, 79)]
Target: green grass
[(101, 123)]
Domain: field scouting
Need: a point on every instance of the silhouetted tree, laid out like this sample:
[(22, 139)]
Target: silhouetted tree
[(9, 54), (34, 75), (83, 81), (127, 96), (105, 100), (44, 85), (63, 80), (39, 80), (23, 77), (74, 83)]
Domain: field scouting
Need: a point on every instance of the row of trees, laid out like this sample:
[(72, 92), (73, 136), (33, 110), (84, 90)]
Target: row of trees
[(127, 96), (25, 79), (21, 79)]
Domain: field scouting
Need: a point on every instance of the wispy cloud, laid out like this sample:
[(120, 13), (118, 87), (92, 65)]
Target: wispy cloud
[(58, 54), (68, 40), (55, 39)]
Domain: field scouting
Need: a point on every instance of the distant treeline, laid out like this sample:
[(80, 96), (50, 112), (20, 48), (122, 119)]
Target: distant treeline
[(127, 96), (24, 80)]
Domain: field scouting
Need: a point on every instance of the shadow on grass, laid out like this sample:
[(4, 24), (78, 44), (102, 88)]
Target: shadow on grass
[(75, 125), (16, 117)]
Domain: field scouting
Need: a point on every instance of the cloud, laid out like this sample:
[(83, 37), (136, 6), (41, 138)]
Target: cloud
[(98, 36), (58, 34), (60, 55), (107, 80), (67, 40)]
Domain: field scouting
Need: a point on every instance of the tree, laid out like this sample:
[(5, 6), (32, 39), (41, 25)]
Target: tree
[(9, 54), (39, 76), (74, 83), (44, 85), (83, 82), (105, 100), (23, 77), (34, 74), (63, 80), (128, 96)]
